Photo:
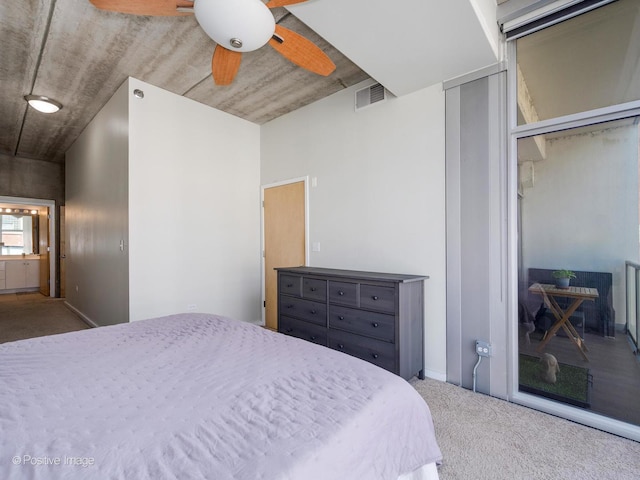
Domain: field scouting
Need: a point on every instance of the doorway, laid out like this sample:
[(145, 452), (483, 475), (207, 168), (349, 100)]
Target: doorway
[(284, 233), (574, 189), (40, 204)]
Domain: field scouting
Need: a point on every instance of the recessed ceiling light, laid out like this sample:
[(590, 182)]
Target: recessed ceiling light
[(43, 104)]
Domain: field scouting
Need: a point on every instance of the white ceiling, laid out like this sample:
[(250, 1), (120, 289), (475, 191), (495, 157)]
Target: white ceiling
[(412, 45)]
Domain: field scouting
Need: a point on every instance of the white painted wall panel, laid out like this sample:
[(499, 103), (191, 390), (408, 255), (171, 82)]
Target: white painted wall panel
[(178, 182), (194, 208), (379, 200)]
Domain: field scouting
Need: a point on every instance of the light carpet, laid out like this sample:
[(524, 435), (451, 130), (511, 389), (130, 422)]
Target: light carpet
[(482, 437), (28, 315)]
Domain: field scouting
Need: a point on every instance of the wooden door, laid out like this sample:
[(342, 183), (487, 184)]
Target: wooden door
[(63, 253), (43, 243), (284, 239)]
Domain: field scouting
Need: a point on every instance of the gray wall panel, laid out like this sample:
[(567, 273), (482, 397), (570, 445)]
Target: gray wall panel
[(475, 253)]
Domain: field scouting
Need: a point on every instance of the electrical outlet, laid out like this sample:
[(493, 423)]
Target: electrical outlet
[(483, 348)]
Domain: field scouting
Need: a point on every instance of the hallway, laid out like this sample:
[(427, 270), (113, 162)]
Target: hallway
[(28, 315)]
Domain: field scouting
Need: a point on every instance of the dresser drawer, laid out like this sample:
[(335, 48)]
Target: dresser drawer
[(314, 312), (377, 352), (343, 293), (371, 324), (306, 331), (314, 289), (290, 284), (382, 299), (361, 313)]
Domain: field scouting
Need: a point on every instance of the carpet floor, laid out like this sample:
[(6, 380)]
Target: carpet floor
[(482, 437), (28, 315)]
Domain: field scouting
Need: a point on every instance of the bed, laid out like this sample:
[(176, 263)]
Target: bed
[(198, 396)]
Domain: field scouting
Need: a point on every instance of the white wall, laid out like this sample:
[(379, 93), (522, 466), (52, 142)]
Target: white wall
[(379, 201), (194, 208), (178, 182), (96, 216), (582, 212)]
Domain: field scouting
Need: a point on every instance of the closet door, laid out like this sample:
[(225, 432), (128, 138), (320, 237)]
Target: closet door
[(284, 239)]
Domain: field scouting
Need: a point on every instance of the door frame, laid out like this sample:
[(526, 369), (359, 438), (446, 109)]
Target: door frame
[(52, 232), (305, 180)]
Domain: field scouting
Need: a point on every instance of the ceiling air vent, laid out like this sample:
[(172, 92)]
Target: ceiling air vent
[(368, 96)]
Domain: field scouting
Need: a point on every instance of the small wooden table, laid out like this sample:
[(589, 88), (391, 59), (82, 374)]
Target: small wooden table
[(549, 294)]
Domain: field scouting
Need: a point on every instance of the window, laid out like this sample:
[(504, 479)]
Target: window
[(17, 234), (575, 138), (585, 63)]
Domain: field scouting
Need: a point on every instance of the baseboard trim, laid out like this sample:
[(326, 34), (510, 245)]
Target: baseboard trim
[(82, 316), (435, 375)]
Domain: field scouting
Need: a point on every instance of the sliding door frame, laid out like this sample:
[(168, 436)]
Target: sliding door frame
[(600, 115)]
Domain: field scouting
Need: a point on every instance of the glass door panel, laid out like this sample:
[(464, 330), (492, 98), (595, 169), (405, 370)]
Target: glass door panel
[(579, 211)]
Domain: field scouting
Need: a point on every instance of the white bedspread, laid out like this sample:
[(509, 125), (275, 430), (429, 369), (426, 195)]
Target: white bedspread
[(200, 396)]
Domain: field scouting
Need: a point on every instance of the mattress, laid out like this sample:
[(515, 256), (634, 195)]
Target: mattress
[(198, 396)]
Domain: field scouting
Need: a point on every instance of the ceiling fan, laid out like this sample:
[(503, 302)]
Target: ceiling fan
[(236, 26)]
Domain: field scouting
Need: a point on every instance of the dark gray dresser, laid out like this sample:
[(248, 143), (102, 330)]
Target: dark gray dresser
[(378, 317)]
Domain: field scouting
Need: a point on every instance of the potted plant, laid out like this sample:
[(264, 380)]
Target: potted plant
[(563, 277)]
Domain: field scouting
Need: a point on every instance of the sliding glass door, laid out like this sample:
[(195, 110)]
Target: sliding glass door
[(575, 142)]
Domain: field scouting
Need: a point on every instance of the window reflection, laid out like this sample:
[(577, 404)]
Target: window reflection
[(579, 210), (585, 63)]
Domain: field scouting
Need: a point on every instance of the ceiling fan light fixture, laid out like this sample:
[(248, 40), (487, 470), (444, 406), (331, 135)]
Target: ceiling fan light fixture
[(227, 22), (43, 104)]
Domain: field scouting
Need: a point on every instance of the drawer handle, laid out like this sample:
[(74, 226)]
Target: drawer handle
[(374, 355), (289, 330), (340, 292), (312, 337), (341, 317), (289, 285), (375, 324), (313, 312), (341, 346), (290, 306), (313, 289), (375, 297)]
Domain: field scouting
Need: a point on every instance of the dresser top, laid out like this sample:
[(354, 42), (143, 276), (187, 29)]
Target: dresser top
[(355, 274)]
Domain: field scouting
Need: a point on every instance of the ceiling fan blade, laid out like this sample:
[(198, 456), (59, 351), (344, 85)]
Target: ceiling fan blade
[(283, 3), (301, 51), (165, 8), (224, 65)]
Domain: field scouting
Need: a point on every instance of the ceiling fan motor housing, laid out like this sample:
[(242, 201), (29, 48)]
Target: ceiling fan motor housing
[(240, 25)]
